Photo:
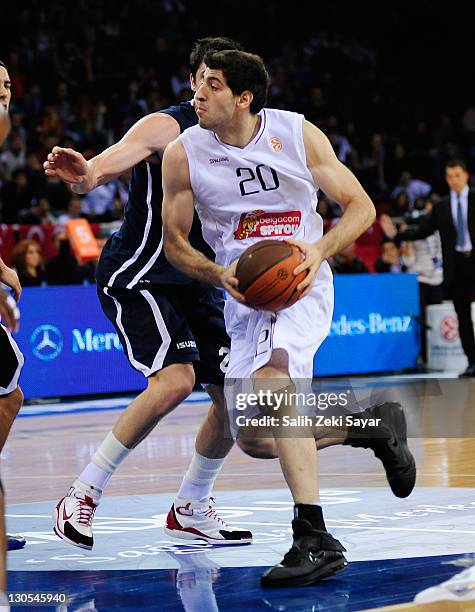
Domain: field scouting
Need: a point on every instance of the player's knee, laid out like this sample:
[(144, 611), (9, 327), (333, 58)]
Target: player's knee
[(176, 383), (13, 402), (258, 448), (17, 400)]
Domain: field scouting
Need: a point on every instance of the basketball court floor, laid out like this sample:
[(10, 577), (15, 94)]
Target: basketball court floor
[(395, 547)]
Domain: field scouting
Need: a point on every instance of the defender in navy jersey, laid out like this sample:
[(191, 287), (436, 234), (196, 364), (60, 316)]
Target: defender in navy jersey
[(171, 326)]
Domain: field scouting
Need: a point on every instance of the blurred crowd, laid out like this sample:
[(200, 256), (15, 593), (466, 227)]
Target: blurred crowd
[(83, 73)]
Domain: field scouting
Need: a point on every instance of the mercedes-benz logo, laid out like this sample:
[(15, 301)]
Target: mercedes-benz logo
[(47, 342)]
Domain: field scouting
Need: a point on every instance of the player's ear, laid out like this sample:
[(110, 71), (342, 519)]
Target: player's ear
[(192, 82), (245, 99)]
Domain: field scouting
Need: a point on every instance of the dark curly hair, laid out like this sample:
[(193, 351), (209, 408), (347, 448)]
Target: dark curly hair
[(243, 72)]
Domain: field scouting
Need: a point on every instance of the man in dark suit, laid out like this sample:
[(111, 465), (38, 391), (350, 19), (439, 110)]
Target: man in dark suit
[(454, 217)]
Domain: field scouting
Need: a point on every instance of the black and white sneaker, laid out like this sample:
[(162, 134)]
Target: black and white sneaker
[(388, 441), (314, 555)]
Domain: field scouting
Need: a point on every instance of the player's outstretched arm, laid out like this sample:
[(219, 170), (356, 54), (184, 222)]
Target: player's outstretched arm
[(177, 212), (148, 136), (10, 278), (340, 185)]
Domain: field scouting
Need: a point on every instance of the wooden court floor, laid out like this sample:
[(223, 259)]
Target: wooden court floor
[(45, 453)]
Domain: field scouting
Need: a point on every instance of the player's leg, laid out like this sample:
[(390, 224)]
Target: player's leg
[(11, 396), (10, 405), (3, 549), (388, 441), (158, 343), (11, 400), (315, 554), (192, 515)]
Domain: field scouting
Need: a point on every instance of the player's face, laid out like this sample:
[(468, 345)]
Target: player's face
[(197, 79), (456, 178), (5, 88), (215, 103)]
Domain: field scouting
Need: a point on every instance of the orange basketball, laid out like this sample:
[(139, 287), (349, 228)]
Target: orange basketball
[(4, 124), (266, 274)]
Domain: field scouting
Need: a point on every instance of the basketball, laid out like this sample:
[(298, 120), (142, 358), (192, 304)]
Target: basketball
[(4, 124), (265, 274)]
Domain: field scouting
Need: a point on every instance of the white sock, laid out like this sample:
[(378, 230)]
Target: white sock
[(199, 479), (104, 462)]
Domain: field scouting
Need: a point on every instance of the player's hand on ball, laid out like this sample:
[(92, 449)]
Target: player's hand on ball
[(67, 165), (311, 262), (231, 283), (10, 278)]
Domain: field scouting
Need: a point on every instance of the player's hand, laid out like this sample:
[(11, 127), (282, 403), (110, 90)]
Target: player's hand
[(388, 226), (231, 283), (7, 313), (67, 165), (312, 261), (10, 278)]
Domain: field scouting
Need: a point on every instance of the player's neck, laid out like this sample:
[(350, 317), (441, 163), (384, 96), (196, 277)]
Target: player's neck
[(241, 133)]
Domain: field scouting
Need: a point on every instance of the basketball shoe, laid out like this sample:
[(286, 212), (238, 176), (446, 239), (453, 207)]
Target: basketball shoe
[(460, 588), (315, 553), (15, 541), (388, 441), (72, 518), (198, 520)]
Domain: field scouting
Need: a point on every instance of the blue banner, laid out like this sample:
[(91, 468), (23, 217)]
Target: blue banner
[(373, 327), (71, 348)]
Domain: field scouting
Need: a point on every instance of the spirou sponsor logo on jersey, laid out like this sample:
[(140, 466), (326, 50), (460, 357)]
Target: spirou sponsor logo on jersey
[(261, 224)]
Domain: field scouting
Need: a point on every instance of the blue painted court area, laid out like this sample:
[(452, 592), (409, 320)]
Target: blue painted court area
[(395, 548), (197, 586)]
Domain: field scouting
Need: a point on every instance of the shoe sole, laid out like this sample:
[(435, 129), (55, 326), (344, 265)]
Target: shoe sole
[(396, 420), (186, 535), (64, 537), (307, 580)]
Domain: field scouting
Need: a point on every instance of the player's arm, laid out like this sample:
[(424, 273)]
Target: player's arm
[(340, 185), (10, 278), (148, 136), (177, 212)]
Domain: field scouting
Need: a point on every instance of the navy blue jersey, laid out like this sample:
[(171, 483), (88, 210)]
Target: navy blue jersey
[(134, 256)]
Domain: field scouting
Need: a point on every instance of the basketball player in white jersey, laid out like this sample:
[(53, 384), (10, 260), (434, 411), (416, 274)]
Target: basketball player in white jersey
[(242, 159)]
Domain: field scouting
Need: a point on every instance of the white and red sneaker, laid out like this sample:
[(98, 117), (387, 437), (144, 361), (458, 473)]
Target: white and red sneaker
[(73, 518), (460, 587), (198, 520)]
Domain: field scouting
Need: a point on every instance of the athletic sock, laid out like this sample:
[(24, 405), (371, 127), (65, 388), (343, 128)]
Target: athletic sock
[(312, 513), (199, 479), (104, 462)]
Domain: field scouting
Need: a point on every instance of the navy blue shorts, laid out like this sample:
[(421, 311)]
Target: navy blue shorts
[(12, 362), (167, 324)]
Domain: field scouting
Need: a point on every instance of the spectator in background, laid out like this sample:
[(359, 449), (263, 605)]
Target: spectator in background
[(74, 210), (13, 157), (105, 202), (346, 262), (38, 214), (425, 260), (15, 195), (64, 269), (27, 260), (400, 205), (413, 187), (454, 218), (391, 258)]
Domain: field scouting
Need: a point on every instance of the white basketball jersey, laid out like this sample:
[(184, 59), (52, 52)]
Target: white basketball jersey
[(264, 190)]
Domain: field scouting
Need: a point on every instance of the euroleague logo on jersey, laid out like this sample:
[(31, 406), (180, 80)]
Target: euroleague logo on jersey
[(276, 144), (261, 224)]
